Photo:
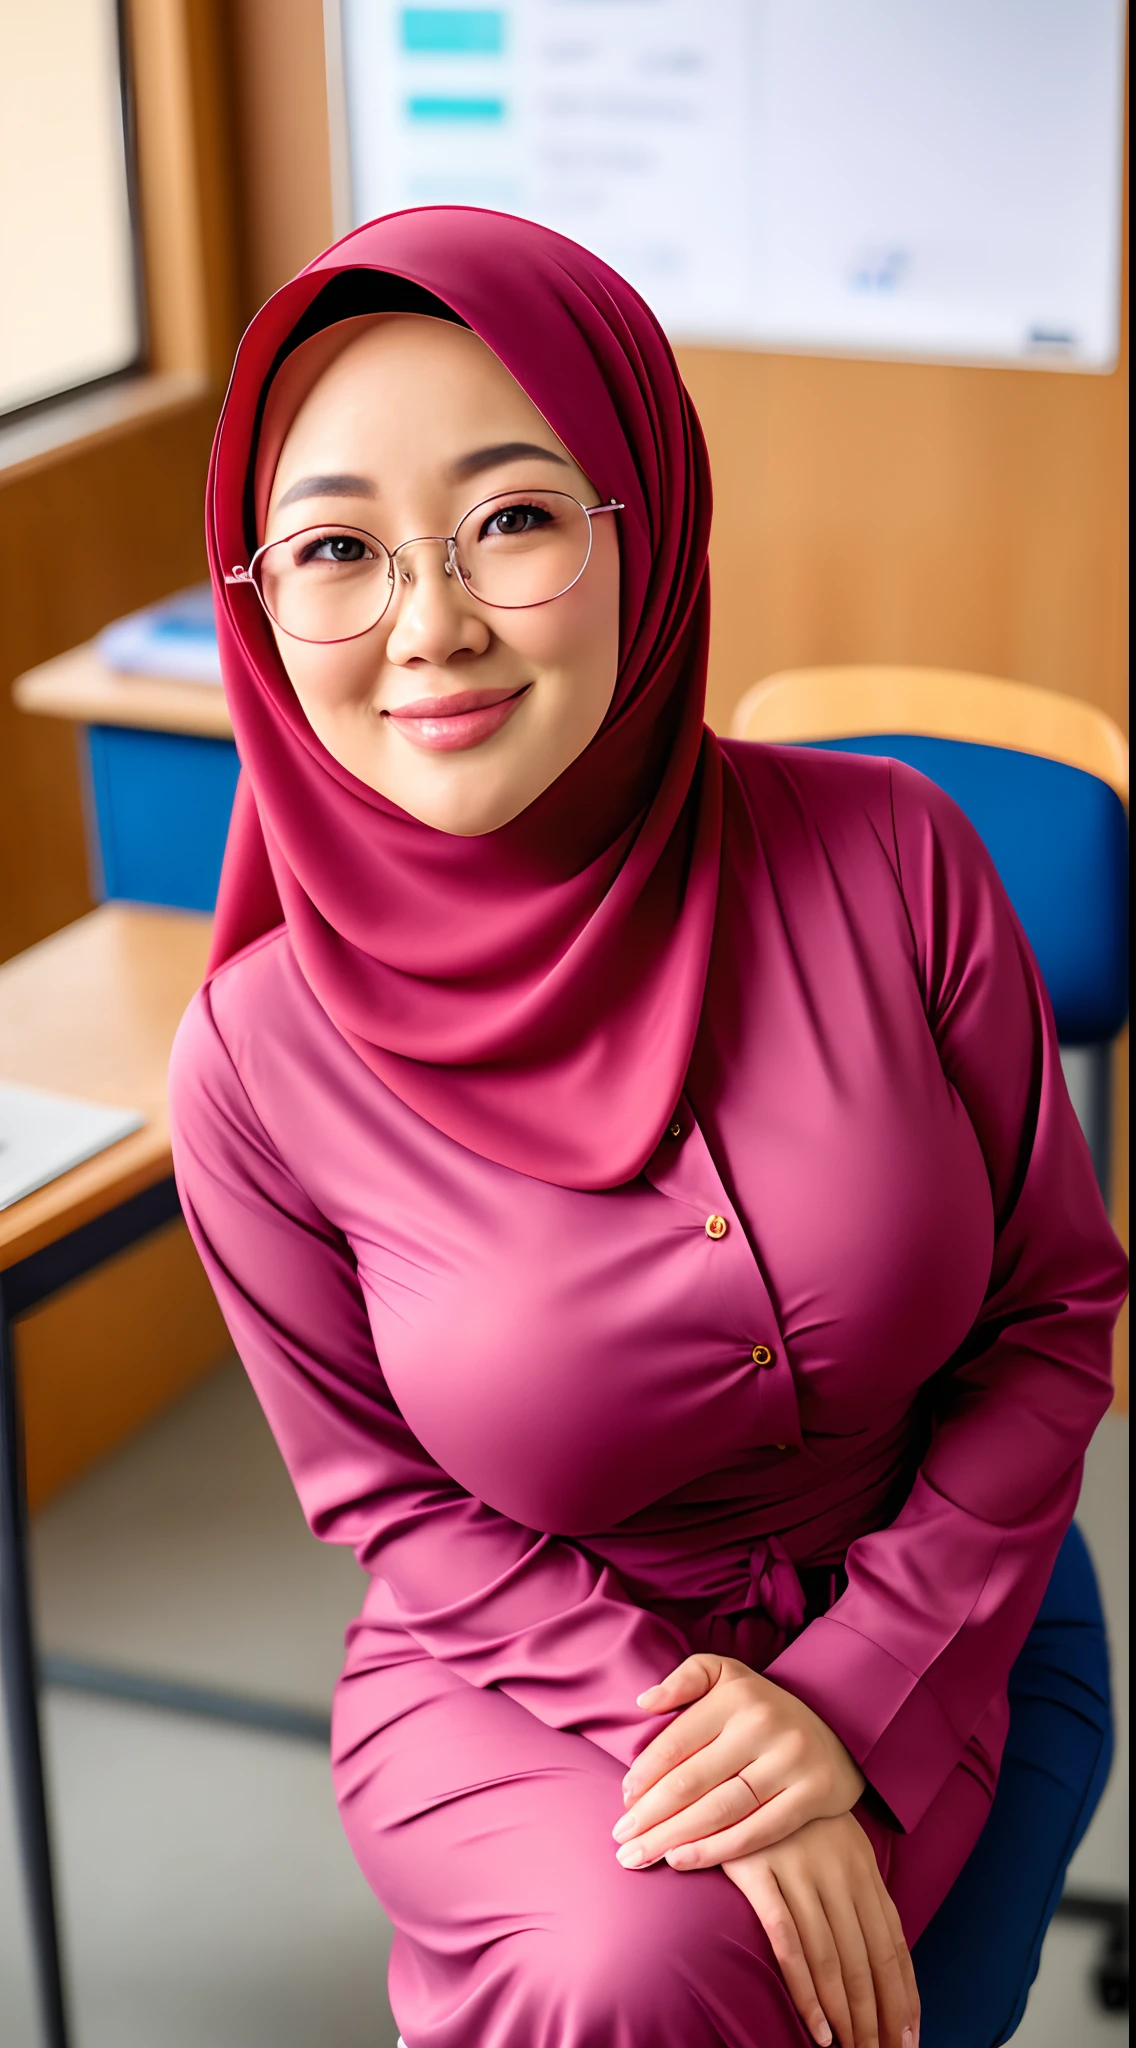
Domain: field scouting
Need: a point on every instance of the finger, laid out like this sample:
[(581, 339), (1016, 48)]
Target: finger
[(855, 1967), (907, 1967), (822, 1956), (894, 2016), (709, 1817), (720, 1761), (897, 1997), (791, 1807), (762, 1829), (689, 1732), (772, 1909), (689, 1681)]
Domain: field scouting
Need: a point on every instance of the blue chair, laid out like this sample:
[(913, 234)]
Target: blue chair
[(1044, 779)]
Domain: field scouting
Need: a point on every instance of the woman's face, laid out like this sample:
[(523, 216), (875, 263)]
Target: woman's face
[(459, 712)]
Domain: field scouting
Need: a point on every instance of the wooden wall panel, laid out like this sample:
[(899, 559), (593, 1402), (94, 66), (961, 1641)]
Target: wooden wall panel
[(184, 142), (100, 1359), (909, 512), (115, 526), (276, 50)]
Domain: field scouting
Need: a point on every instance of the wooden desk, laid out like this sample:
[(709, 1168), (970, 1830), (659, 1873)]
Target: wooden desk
[(79, 686), (91, 1011)]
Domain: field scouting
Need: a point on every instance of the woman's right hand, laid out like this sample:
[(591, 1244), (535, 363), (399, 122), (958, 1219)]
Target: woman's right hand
[(835, 1933)]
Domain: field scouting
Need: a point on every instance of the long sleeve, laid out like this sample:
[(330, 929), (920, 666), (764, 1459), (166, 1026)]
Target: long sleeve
[(908, 1661), (503, 1605)]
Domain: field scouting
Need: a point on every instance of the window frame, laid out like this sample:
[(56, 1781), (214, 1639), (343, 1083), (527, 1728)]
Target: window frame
[(108, 379)]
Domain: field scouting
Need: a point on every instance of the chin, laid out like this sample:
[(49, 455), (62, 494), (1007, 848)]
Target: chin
[(463, 824), (463, 820), (472, 802)]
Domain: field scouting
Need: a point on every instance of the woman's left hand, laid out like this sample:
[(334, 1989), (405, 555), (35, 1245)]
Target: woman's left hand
[(744, 1766)]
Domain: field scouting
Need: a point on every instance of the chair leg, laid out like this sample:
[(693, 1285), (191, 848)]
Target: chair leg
[(1088, 1077), (1110, 1977)]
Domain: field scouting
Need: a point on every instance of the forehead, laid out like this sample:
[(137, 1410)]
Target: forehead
[(411, 381)]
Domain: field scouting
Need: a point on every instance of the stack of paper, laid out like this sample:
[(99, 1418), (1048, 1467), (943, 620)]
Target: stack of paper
[(176, 638), (42, 1136)]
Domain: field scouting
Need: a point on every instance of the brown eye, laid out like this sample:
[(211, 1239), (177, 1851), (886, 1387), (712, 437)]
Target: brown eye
[(514, 519), (336, 547)]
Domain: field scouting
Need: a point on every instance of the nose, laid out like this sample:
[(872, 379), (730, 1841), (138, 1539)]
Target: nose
[(433, 616), (403, 563)]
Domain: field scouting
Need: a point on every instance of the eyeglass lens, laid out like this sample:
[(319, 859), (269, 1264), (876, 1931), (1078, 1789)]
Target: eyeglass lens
[(517, 549)]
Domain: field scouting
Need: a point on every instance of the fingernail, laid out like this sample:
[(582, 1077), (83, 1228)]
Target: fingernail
[(631, 1854), (822, 2032), (680, 1859), (623, 1828), (907, 2039)]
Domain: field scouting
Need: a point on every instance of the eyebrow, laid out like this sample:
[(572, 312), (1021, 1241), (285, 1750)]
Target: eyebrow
[(339, 486), (505, 451)]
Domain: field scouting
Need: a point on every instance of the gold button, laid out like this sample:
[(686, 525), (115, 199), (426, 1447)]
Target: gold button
[(761, 1354), (676, 1130), (780, 1447), (716, 1226)]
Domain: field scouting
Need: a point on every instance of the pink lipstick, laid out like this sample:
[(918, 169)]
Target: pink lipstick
[(447, 724)]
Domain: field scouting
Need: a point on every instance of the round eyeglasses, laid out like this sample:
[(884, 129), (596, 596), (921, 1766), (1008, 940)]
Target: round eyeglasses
[(516, 549)]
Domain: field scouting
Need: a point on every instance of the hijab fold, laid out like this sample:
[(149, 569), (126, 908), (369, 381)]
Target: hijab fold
[(535, 992)]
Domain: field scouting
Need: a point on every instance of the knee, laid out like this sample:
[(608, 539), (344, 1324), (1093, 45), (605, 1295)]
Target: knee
[(633, 1965)]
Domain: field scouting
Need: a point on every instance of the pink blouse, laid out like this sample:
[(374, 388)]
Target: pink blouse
[(855, 1311)]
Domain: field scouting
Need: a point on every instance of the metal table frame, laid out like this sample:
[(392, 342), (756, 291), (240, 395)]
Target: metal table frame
[(23, 1286)]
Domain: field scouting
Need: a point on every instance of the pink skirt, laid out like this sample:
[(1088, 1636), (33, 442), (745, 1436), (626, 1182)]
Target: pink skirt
[(486, 1837)]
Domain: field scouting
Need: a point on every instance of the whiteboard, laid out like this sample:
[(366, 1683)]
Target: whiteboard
[(925, 178)]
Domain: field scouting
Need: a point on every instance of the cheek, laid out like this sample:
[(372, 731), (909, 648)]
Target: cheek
[(574, 640), (328, 678)]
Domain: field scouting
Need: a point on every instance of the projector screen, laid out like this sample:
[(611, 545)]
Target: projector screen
[(924, 178)]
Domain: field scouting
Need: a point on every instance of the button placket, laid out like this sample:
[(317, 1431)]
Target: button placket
[(688, 1175)]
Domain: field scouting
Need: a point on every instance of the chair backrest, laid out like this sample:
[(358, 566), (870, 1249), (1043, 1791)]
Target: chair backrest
[(1042, 777)]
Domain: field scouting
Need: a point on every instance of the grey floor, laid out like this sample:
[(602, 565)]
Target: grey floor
[(208, 1896)]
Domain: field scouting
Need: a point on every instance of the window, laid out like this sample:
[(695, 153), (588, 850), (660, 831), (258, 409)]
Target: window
[(68, 262)]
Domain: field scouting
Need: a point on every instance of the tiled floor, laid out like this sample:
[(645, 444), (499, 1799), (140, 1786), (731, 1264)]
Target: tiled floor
[(209, 1898)]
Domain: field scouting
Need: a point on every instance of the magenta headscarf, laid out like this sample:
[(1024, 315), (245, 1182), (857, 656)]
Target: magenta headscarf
[(534, 992)]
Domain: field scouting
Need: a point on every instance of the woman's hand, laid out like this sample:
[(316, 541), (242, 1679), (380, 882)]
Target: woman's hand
[(836, 1934), (744, 1766)]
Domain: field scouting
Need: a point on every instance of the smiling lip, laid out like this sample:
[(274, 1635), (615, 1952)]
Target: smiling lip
[(447, 724)]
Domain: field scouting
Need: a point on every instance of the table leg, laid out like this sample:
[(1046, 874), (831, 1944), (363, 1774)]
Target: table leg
[(21, 1702)]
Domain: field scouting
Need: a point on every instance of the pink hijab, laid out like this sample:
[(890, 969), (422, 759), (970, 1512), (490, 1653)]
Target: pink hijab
[(533, 993)]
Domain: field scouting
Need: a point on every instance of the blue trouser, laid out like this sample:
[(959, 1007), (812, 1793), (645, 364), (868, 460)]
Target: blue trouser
[(979, 1956)]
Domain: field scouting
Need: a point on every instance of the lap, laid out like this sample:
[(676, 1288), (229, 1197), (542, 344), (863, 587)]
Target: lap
[(487, 1839)]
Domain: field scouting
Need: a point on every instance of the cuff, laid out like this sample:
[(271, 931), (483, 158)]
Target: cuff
[(885, 1715)]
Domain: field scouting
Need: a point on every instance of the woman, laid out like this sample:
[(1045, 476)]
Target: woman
[(638, 1178)]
